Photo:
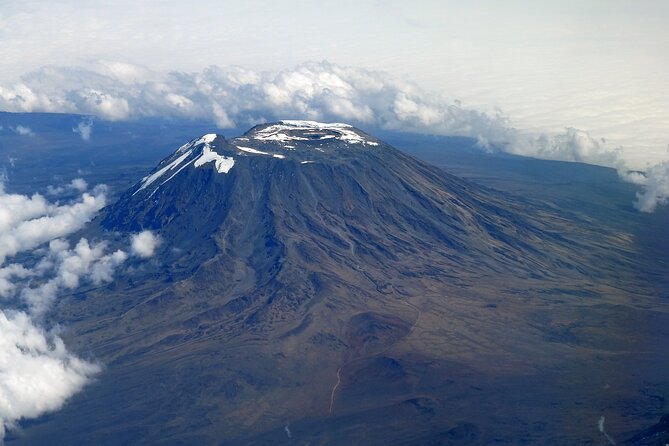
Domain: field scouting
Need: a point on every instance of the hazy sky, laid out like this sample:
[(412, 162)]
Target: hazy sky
[(597, 65)]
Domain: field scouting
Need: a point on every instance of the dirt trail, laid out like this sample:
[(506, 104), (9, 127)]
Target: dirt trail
[(333, 394)]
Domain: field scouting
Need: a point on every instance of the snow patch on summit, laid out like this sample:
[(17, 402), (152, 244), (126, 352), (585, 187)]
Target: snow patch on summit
[(292, 130), (222, 163), (251, 150), (206, 139), (259, 152)]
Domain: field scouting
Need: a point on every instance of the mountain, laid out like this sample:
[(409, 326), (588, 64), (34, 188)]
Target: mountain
[(330, 192), (317, 286)]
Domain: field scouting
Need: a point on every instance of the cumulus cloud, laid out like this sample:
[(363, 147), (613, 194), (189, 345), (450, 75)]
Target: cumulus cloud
[(84, 129), (144, 244), (38, 373), (15, 208), (655, 187), (8, 275), (27, 222), (69, 267), (237, 97), (23, 130), (76, 185)]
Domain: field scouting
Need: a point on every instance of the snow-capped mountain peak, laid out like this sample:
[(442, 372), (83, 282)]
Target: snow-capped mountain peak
[(303, 142)]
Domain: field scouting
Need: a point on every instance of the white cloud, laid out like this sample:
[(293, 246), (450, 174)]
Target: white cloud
[(102, 271), (84, 129), (32, 221), (655, 189), (38, 372), (237, 97), (570, 145), (77, 184), (8, 274), (23, 130), (234, 96), (144, 244), (15, 208), (70, 267)]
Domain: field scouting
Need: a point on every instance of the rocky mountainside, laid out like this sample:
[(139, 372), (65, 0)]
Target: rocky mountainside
[(332, 192), (317, 286)]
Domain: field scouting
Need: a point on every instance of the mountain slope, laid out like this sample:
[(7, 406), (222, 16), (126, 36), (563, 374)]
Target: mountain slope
[(358, 195), (316, 285)]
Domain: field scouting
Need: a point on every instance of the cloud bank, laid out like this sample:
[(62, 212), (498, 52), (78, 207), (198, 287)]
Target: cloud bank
[(237, 97), (38, 372), (27, 222)]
